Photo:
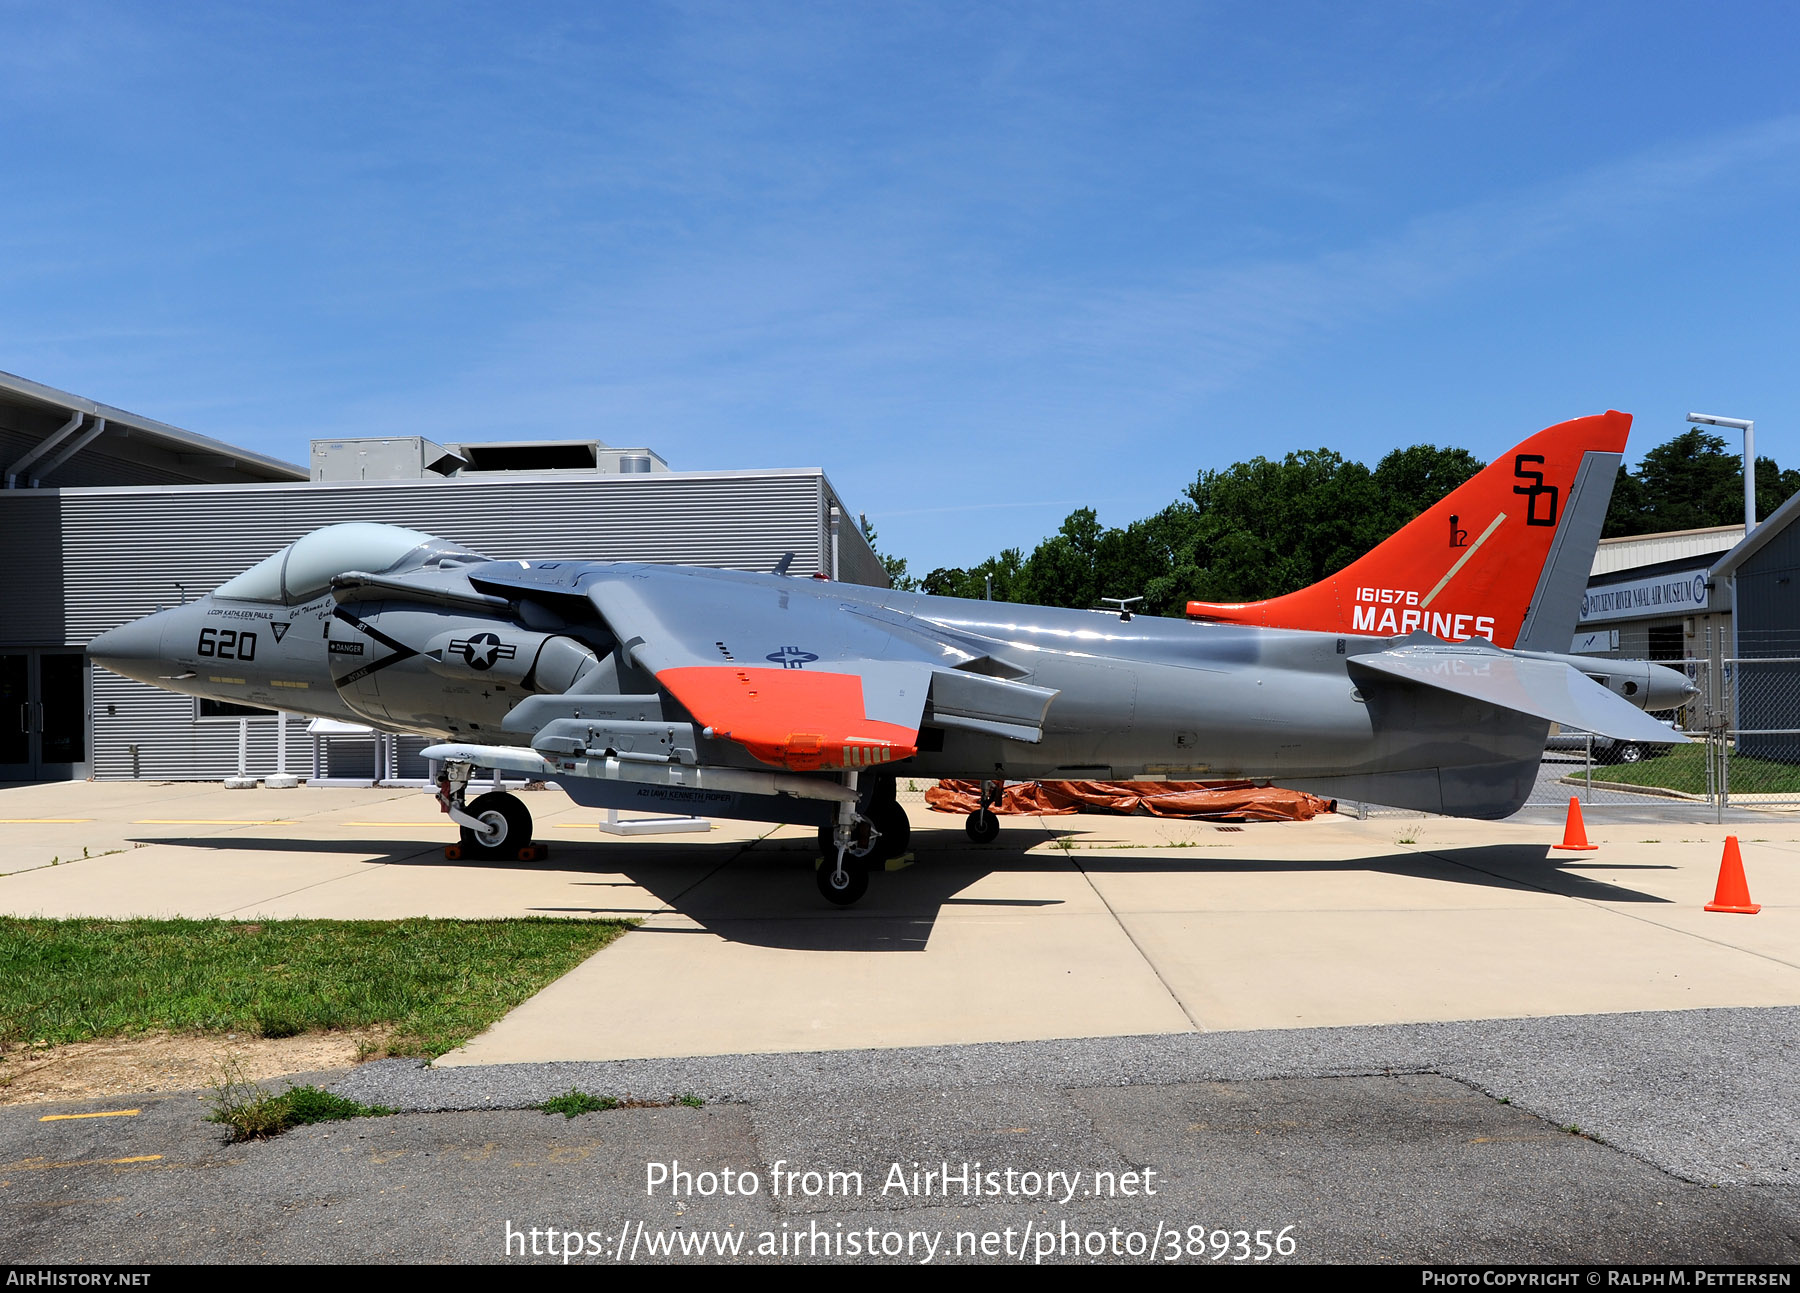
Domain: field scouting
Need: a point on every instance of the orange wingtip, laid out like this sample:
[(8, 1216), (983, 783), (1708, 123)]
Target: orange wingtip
[(800, 719)]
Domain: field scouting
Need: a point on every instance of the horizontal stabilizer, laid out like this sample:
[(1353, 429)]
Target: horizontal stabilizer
[(1548, 689)]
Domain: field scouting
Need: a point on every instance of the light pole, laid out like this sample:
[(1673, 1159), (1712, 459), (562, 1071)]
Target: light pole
[(1749, 430)]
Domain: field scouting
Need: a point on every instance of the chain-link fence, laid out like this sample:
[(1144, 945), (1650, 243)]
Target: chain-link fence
[(1742, 751), (1756, 728), (1679, 778)]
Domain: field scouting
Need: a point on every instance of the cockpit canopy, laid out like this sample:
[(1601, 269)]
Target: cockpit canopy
[(306, 567)]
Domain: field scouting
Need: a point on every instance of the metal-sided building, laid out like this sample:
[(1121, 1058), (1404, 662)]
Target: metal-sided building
[(138, 515), (1764, 678), (1653, 597)]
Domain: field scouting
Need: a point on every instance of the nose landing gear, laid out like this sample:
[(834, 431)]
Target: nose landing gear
[(496, 825)]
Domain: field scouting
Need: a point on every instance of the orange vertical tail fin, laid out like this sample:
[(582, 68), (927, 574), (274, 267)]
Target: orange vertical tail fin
[(1504, 556)]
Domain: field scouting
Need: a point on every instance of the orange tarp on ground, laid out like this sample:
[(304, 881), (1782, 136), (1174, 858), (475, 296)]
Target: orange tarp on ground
[(1242, 800)]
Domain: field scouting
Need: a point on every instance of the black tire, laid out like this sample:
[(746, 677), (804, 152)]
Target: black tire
[(1629, 752), (895, 827), (509, 821), (982, 825), (855, 880)]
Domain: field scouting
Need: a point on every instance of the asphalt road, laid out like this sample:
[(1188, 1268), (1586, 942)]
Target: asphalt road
[(1425, 1143)]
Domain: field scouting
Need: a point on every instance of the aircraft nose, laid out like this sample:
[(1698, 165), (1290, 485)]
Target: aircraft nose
[(1668, 688), (134, 649)]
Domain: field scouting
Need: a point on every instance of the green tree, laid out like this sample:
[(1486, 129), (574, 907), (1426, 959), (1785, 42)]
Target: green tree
[(1407, 481), (1267, 528), (1691, 482), (894, 566), (972, 583)]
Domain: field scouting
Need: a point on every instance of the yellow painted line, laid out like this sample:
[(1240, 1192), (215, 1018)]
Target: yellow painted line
[(110, 1113), (43, 821), (208, 821), (397, 825), (594, 826), (39, 1165)]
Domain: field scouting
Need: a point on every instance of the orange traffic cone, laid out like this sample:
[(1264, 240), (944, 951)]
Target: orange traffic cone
[(1733, 893), (1575, 834)]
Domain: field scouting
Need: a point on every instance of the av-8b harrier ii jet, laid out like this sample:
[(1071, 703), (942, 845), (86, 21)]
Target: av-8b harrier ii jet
[(773, 698)]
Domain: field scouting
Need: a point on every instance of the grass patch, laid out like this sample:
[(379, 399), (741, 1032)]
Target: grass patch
[(1683, 768), (433, 983), (250, 1113), (573, 1103)]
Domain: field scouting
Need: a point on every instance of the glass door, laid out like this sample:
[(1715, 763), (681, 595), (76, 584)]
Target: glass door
[(61, 716), (43, 715), (15, 718)]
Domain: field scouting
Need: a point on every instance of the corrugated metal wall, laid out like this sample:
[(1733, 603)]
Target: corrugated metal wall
[(1768, 598), (125, 552), (1768, 611), (31, 586)]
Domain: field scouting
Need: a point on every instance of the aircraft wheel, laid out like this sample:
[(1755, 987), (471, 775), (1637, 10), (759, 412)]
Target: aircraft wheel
[(982, 825), (845, 887), (508, 824), (895, 827)]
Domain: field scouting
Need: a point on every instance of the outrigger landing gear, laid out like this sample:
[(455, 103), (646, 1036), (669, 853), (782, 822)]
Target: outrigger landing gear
[(983, 825), (496, 825)]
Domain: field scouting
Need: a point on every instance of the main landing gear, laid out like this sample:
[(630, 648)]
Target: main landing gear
[(983, 825), (860, 841), (496, 825)]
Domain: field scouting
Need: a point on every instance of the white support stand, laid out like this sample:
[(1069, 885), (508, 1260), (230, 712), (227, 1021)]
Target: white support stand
[(243, 780), (611, 825), (283, 779)]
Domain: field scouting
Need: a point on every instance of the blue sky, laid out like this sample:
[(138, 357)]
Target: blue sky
[(982, 263)]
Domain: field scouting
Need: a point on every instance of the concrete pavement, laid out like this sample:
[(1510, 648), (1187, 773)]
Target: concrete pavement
[(1064, 927)]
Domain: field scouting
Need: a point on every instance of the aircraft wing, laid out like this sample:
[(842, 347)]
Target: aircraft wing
[(1549, 689), (801, 676)]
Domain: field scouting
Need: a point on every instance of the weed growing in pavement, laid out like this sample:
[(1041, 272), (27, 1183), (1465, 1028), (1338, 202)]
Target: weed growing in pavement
[(248, 1112), (573, 1103)]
